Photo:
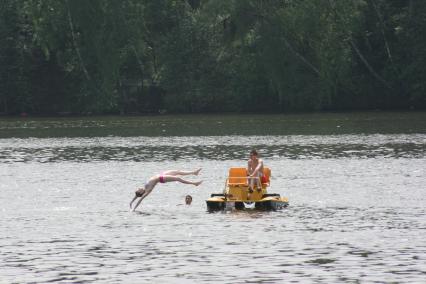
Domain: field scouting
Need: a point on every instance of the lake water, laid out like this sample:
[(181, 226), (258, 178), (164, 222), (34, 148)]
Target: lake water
[(356, 184)]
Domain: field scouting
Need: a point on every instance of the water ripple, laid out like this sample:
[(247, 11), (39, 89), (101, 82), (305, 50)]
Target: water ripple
[(220, 148), (356, 211)]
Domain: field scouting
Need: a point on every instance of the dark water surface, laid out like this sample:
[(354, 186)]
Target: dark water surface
[(356, 184), (217, 125)]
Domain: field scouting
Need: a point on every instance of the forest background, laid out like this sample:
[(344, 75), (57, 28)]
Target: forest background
[(62, 57)]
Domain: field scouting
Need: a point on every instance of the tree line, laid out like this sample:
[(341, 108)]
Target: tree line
[(192, 56)]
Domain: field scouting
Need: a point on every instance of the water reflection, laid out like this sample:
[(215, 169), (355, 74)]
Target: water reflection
[(217, 125)]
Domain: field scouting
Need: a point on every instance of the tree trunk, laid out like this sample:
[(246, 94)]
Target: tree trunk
[(358, 52), (382, 27), (77, 49), (301, 57), (369, 67)]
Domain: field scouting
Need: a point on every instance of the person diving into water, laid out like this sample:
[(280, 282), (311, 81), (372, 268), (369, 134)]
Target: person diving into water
[(167, 176)]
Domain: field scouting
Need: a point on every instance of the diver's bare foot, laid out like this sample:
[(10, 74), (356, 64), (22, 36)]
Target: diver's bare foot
[(197, 171), (198, 183)]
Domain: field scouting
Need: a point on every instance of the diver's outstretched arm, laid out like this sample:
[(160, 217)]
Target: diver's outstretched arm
[(134, 198), (145, 194)]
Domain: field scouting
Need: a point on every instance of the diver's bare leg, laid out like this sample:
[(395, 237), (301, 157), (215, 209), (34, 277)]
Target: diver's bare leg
[(182, 173), (181, 180)]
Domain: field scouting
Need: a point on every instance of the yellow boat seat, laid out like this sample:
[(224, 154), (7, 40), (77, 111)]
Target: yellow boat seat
[(237, 177)]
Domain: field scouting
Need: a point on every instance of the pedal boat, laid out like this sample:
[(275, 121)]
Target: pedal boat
[(236, 194)]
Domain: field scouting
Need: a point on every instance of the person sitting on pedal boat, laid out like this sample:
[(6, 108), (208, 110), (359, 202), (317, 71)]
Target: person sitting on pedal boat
[(255, 171)]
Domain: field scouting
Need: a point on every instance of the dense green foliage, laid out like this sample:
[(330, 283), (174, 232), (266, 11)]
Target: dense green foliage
[(133, 56)]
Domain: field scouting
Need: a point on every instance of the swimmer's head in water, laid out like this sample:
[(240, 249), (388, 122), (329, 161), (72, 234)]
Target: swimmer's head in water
[(188, 199)]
